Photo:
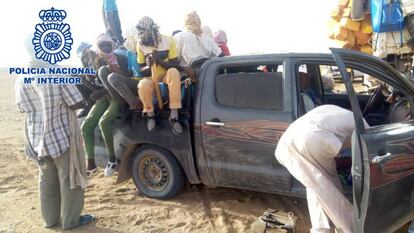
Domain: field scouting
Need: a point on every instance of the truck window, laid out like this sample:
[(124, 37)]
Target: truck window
[(380, 102), (250, 87), (332, 80)]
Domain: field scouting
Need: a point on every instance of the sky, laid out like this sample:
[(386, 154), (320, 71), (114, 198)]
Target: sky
[(259, 26)]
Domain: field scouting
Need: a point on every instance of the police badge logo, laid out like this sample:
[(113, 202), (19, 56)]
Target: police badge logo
[(52, 39)]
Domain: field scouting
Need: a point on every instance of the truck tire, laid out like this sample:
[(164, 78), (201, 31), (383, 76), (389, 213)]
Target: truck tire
[(156, 173)]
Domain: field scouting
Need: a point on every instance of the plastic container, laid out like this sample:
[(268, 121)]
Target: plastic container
[(386, 16)]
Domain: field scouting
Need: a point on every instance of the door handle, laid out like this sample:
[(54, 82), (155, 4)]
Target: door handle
[(381, 159), (215, 123)]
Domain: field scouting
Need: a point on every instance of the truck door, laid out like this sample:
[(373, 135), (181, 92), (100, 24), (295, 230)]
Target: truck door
[(245, 109), (383, 155)]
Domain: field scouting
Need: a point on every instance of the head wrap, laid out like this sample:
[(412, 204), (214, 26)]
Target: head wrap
[(110, 57), (193, 23), (220, 37), (82, 46), (148, 34), (31, 54), (207, 30), (131, 39)]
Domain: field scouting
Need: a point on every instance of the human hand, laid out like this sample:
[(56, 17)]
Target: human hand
[(190, 72), (156, 56), (149, 60)]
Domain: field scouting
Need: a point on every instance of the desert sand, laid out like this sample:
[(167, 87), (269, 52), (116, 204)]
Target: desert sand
[(120, 208)]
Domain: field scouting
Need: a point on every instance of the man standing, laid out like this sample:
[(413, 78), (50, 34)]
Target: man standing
[(307, 149), (154, 47), (52, 139)]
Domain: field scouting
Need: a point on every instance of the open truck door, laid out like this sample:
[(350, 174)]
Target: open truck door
[(382, 156)]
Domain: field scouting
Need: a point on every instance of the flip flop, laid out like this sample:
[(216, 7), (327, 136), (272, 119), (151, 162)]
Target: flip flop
[(91, 171), (176, 126), (86, 219)]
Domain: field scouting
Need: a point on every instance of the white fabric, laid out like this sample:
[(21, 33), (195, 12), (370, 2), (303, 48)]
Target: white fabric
[(131, 39), (191, 48), (207, 30), (77, 166), (308, 102), (317, 215), (307, 149)]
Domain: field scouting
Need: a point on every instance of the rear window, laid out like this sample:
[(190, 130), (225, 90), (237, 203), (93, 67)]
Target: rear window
[(257, 89)]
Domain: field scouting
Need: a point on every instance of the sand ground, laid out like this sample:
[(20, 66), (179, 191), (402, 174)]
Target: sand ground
[(119, 208)]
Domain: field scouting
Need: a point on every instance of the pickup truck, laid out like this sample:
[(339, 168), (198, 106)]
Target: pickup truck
[(239, 108)]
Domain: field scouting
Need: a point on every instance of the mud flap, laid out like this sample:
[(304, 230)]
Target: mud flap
[(125, 166)]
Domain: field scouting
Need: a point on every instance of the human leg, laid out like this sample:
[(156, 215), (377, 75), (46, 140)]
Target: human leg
[(319, 220), (105, 125), (145, 92), (173, 80), (49, 192), (126, 88), (103, 75), (88, 129), (293, 151), (72, 200)]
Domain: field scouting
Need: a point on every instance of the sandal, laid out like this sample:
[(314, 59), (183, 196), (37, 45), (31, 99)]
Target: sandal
[(90, 172), (86, 219), (110, 168), (151, 123), (176, 126)]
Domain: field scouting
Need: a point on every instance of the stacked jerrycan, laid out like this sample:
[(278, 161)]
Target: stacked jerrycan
[(390, 21)]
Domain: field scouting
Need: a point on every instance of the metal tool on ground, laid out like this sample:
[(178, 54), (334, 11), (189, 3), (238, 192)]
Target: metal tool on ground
[(275, 221)]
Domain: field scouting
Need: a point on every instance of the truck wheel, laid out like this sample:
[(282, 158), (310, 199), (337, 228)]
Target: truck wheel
[(157, 174)]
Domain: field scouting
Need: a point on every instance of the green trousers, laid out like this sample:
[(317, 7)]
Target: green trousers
[(56, 197), (102, 113)]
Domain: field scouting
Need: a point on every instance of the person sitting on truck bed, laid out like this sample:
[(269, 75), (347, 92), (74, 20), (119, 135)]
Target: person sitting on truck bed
[(193, 44), (154, 47), (220, 38), (307, 149), (90, 83), (105, 110), (310, 100), (120, 82)]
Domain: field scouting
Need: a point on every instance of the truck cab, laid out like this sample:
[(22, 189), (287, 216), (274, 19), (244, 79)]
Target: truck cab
[(240, 107)]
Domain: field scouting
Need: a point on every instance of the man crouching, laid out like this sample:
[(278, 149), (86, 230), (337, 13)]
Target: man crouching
[(308, 149)]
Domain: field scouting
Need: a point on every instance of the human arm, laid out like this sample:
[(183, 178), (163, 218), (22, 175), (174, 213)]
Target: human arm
[(72, 97), (20, 96)]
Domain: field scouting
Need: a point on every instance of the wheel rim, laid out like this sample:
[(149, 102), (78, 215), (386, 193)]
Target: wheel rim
[(153, 173)]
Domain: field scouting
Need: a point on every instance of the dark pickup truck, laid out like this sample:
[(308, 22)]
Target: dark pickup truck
[(238, 110)]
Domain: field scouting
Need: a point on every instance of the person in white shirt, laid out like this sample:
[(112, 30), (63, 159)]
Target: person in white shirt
[(307, 149), (193, 44)]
